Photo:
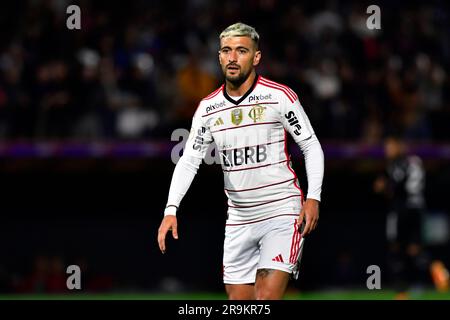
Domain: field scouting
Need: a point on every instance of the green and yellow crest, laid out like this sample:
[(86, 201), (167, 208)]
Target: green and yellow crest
[(236, 116)]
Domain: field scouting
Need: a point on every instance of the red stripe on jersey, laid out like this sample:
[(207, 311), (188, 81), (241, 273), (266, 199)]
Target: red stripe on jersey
[(261, 144), (214, 93), (264, 203), (267, 185), (238, 106), (265, 165), (211, 94), (273, 87), (255, 221), (286, 92), (245, 125), (283, 86), (281, 258)]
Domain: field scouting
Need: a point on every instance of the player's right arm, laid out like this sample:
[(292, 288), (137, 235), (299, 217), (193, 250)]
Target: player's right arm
[(194, 151)]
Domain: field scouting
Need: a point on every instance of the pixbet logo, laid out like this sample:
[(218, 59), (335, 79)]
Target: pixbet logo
[(259, 97), (215, 106)]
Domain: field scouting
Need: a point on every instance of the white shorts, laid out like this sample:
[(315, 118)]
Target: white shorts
[(274, 243)]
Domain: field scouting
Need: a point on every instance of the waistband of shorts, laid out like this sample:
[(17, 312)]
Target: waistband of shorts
[(233, 223)]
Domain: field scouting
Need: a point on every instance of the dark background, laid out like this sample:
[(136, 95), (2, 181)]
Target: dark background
[(63, 202)]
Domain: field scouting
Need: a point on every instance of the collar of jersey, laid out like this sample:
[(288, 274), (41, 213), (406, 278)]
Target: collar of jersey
[(236, 102)]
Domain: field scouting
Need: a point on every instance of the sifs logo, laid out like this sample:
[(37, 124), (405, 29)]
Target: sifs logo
[(246, 155), (293, 122), (199, 138)]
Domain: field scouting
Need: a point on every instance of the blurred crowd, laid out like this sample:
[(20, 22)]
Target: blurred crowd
[(137, 69), (48, 274)]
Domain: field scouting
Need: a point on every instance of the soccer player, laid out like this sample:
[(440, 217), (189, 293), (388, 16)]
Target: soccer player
[(248, 117), (403, 184)]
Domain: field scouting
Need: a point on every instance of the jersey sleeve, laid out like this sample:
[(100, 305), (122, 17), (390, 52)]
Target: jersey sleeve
[(194, 151), (295, 120), (199, 139)]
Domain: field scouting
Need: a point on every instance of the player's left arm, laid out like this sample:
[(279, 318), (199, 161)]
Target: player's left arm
[(297, 123)]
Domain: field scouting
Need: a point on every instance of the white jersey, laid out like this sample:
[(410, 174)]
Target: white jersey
[(250, 134)]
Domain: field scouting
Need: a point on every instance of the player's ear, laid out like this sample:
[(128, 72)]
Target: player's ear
[(256, 58)]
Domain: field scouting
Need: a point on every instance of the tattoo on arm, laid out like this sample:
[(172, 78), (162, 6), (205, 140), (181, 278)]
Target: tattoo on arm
[(263, 272)]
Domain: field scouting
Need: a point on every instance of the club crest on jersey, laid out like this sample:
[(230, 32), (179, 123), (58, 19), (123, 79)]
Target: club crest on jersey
[(236, 116), (256, 113)]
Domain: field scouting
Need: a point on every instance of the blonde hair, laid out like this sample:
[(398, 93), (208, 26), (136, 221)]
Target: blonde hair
[(241, 30)]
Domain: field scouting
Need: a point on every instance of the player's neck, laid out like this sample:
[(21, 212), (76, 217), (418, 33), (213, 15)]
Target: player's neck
[(240, 90)]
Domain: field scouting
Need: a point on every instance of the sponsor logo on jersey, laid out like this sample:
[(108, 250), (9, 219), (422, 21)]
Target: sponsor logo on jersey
[(226, 146), (236, 116), (218, 122), (278, 258), (198, 142), (293, 122), (259, 97), (256, 113), (215, 106), (246, 155)]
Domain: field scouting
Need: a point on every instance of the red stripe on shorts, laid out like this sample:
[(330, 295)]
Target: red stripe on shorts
[(293, 241), (297, 248)]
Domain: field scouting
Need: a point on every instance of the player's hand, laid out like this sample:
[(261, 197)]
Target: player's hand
[(310, 212), (168, 223)]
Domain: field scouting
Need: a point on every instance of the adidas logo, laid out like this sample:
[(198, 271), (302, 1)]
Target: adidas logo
[(278, 258), (218, 122)]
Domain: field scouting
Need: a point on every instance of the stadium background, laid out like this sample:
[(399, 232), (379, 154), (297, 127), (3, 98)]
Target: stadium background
[(86, 118)]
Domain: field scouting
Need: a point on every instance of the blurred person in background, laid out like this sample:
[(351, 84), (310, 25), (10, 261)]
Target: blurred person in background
[(54, 99), (193, 84), (403, 184)]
